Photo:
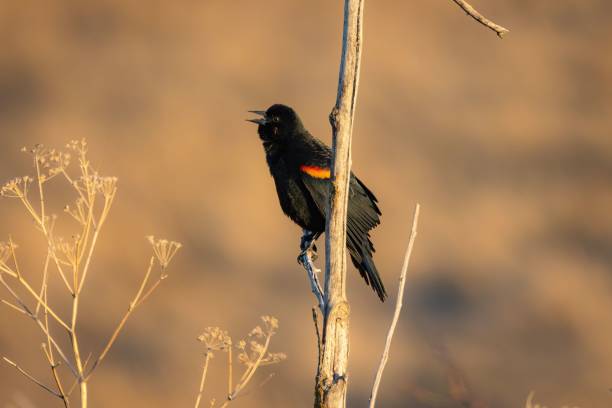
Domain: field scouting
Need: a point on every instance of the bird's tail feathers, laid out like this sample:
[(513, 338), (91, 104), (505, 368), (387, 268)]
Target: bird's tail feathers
[(367, 269)]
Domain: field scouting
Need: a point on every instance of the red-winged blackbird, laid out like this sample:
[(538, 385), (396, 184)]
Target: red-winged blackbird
[(300, 166)]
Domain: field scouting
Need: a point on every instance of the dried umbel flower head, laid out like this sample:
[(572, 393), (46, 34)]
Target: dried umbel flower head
[(215, 339), (107, 186), (79, 146), (257, 352), (164, 250), (273, 358), (271, 323), (68, 250), (269, 329), (5, 252), (16, 188), (49, 162), (78, 211)]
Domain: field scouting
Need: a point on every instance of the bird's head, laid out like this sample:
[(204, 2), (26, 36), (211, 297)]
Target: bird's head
[(277, 123)]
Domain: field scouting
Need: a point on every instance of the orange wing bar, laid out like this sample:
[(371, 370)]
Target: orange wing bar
[(316, 172)]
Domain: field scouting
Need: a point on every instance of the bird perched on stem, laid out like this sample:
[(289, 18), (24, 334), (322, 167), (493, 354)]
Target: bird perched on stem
[(300, 166)]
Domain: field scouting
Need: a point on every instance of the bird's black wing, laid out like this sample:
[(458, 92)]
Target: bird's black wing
[(363, 215)]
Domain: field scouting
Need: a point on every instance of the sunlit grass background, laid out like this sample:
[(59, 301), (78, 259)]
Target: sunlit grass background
[(506, 144)]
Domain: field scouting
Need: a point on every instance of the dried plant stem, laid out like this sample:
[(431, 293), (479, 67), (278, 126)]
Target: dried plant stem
[(15, 307), (230, 369), (29, 313), (76, 255), (35, 295), (48, 351), (398, 307), (43, 285), (136, 301), (248, 374), (54, 366), (29, 377), (203, 379), (472, 12), (331, 378)]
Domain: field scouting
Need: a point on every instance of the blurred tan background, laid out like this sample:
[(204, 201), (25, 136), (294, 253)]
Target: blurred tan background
[(506, 144)]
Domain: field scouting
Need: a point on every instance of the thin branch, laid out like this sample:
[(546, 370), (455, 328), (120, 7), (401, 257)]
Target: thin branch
[(315, 320), (472, 12), (26, 285), (138, 299), (15, 307), (203, 379), (305, 259), (48, 349), (398, 307), (40, 324), (246, 377), (43, 285), (54, 366), (230, 368), (29, 377)]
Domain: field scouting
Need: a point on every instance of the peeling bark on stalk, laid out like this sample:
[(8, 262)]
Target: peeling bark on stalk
[(331, 380)]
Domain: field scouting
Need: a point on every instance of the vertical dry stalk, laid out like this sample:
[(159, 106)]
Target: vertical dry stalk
[(203, 379), (398, 307), (331, 379), (72, 259)]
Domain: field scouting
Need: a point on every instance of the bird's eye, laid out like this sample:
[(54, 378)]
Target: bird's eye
[(276, 119)]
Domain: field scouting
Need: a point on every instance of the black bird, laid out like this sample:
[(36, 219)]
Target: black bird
[(300, 166)]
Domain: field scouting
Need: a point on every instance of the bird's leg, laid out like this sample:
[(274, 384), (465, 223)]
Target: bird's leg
[(307, 244), (306, 259)]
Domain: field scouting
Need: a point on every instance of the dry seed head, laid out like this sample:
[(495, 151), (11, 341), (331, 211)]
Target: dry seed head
[(16, 187), (215, 339), (67, 249), (273, 358), (256, 347), (107, 186), (271, 323), (78, 212), (51, 161), (164, 250), (5, 252), (79, 146)]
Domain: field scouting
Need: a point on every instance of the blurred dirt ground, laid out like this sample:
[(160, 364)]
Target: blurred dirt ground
[(506, 144)]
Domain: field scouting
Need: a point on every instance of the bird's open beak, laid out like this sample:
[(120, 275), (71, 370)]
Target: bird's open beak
[(259, 121)]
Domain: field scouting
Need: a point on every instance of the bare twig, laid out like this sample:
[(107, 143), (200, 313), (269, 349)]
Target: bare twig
[(48, 349), (472, 12), (136, 301), (248, 374), (15, 307), (230, 368), (30, 314), (398, 307), (54, 366), (315, 320), (306, 259), (29, 377), (203, 379), (27, 286)]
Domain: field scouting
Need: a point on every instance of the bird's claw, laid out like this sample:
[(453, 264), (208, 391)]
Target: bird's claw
[(309, 253)]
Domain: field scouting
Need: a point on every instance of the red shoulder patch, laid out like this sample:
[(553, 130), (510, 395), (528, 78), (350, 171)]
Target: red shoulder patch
[(316, 171)]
